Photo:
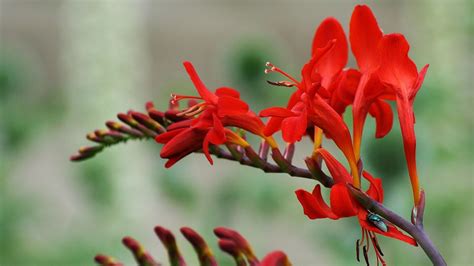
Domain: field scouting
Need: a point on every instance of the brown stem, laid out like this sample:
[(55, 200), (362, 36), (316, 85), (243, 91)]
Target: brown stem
[(415, 230)]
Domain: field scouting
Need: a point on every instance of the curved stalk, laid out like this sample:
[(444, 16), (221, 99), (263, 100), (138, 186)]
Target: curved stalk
[(415, 229)]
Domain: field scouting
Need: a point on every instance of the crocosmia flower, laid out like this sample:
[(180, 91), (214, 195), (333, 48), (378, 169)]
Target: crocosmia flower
[(399, 72), (206, 122), (343, 205)]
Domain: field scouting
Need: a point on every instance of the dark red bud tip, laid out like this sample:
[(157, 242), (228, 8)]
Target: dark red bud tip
[(234, 236), (157, 115), (131, 243), (275, 258), (149, 105), (165, 236), (80, 157), (116, 126), (206, 258), (193, 237), (229, 247), (127, 119), (147, 122), (91, 149)]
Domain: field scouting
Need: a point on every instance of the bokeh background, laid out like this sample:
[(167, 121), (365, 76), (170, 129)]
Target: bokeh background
[(68, 66)]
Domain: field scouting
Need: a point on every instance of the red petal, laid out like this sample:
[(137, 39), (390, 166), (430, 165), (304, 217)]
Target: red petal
[(276, 112), (294, 99), (397, 69), (207, 95), (313, 204), (227, 105), (180, 124), (406, 119), (337, 170), (167, 136), (335, 59), (226, 91), (187, 141), (293, 128), (216, 134), (344, 90), (365, 35), (419, 82), (205, 148), (171, 161), (273, 125), (375, 190), (341, 201), (248, 121), (382, 112), (326, 118)]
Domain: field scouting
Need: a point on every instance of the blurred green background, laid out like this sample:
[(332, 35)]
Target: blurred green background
[(68, 66)]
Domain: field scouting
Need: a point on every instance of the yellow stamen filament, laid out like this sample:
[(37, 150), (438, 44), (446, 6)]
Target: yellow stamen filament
[(318, 139), (193, 110)]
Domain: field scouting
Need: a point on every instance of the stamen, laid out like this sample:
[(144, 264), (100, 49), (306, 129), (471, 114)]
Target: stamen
[(283, 83), (378, 251), (193, 110), (273, 68), (363, 236), (175, 98), (366, 256), (376, 244), (357, 250)]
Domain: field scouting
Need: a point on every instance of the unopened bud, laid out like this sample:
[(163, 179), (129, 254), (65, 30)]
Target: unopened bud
[(241, 243), (128, 119), (205, 256), (142, 257), (231, 248), (275, 258), (148, 122), (116, 126), (169, 241)]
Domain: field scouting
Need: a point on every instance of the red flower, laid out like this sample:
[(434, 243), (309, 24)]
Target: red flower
[(343, 205), (207, 120), (399, 72), (323, 82), (365, 36)]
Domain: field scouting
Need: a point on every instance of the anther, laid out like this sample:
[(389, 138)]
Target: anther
[(357, 250), (366, 256), (281, 83)]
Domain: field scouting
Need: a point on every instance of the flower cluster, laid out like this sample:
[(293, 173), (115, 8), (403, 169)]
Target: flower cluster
[(322, 93), (230, 242)]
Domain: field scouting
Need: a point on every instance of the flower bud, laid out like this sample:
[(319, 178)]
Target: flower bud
[(169, 241), (205, 256)]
